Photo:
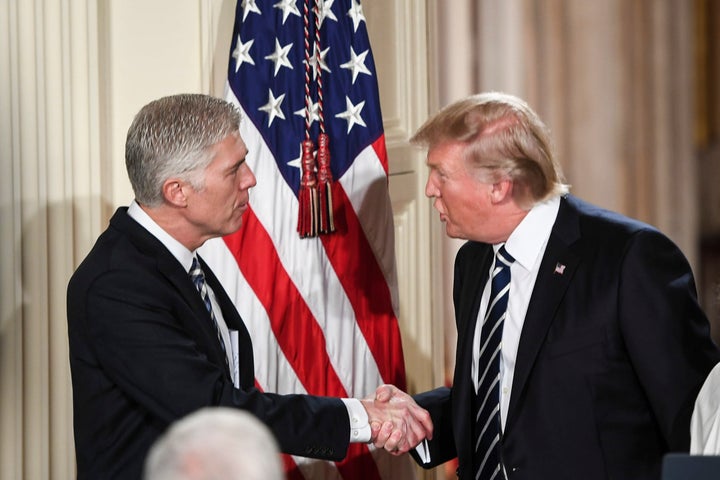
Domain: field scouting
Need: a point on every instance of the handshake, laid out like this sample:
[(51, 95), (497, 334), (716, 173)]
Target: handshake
[(397, 423)]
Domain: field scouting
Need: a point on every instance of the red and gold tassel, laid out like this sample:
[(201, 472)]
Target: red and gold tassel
[(325, 185), (308, 195)]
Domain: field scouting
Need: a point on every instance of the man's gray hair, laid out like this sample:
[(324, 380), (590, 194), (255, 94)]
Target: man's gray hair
[(173, 137), (215, 443)]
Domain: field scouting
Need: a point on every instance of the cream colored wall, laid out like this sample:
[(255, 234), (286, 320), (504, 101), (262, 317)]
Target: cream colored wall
[(397, 30)]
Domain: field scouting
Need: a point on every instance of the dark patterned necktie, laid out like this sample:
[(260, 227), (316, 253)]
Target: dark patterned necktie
[(487, 462), (198, 278)]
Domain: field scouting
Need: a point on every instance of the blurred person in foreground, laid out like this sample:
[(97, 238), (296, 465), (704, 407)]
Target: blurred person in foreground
[(216, 443), (149, 324), (597, 346)]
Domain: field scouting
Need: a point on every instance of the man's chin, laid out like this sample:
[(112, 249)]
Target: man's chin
[(232, 227), (450, 232)]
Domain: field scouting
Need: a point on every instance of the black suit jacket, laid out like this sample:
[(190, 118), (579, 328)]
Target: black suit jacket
[(143, 353), (612, 354)]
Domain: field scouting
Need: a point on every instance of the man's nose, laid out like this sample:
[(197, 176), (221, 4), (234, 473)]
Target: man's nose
[(430, 188)]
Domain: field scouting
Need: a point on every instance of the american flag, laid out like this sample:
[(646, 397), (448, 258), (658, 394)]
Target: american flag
[(322, 311)]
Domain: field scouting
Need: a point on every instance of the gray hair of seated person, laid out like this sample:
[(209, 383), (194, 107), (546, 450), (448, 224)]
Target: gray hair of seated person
[(215, 443)]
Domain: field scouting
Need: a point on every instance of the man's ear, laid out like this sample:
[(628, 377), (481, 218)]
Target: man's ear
[(174, 193), (501, 191)]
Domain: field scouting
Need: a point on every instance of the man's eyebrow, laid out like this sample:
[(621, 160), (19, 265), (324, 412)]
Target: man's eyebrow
[(236, 165)]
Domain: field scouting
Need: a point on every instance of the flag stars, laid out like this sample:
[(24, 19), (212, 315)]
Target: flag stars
[(352, 114), (356, 13), (326, 11), (242, 53), (296, 162), (356, 64), (314, 112), (280, 56), (249, 6), (316, 61), (272, 107), (287, 7)]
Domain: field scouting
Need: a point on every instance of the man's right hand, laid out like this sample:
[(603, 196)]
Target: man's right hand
[(398, 424)]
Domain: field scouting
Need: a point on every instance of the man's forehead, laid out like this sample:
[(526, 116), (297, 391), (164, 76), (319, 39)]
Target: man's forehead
[(444, 151)]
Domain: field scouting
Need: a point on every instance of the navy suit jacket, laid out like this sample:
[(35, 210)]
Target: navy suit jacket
[(143, 353), (612, 354)]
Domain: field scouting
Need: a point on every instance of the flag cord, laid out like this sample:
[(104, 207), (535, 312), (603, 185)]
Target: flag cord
[(324, 177), (307, 195), (315, 197)]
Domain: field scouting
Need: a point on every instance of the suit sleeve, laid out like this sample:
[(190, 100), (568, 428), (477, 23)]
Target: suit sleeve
[(141, 333), (442, 447), (665, 331), (439, 402)]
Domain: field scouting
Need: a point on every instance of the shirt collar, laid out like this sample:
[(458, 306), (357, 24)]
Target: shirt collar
[(178, 250), (523, 242)]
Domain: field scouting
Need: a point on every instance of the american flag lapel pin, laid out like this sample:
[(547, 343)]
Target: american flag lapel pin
[(559, 268)]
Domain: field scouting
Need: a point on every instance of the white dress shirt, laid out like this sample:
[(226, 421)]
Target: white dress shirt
[(705, 421), (527, 245)]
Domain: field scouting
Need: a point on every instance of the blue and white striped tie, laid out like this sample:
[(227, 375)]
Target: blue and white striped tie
[(487, 461), (198, 278)]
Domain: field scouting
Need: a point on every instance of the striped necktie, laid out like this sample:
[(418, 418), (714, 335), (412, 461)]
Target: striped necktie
[(198, 278), (487, 436)]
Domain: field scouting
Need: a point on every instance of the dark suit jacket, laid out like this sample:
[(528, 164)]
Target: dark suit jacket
[(612, 354), (143, 353)]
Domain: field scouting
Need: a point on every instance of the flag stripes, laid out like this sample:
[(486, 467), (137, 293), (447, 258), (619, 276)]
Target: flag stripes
[(322, 311)]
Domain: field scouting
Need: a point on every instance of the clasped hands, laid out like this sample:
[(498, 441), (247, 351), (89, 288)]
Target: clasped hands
[(397, 423)]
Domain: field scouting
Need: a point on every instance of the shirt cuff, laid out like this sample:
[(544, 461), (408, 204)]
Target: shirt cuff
[(359, 425), (423, 452)]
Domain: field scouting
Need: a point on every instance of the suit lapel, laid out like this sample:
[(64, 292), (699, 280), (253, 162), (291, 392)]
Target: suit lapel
[(556, 271), (472, 279), (199, 324), (234, 321)]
